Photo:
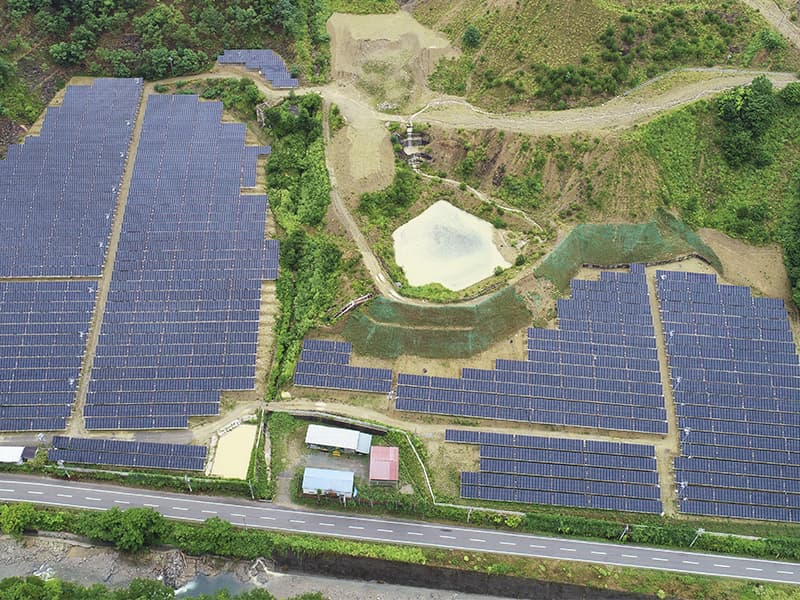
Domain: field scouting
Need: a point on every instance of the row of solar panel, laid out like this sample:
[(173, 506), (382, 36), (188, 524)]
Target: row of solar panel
[(150, 410), (336, 370), (328, 346), (710, 438), (734, 354), (266, 62), (554, 484), (314, 356), (626, 405), (148, 291), (633, 352), (713, 376), (703, 341), (548, 362), (598, 310), (376, 386), (36, 386), (218, 347), (573, 325), (514, 394), (533, 416), (151, 461), (136, 423), (183, 371), (31, 424), (749, 415), (755, 455), (34, 411), (145, 397), (173, 338), (613, 338), (732, 389), (742, 366), (739, 511), (741, 428), (562, 499), (737, 496), (566, 375), (127, 447), (570, 457), (710, 310), (737, 481), (487, 438), (169, 385), (176, 360), (37, 399), (580, 472)]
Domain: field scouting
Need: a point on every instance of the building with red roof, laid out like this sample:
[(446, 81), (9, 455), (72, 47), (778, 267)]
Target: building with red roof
[(384, 465)]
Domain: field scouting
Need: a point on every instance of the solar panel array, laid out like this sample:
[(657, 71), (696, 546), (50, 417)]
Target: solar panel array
[(181, 320), (736, 380), (268, 64), (326, 364), (92, 451), (43, 329), (251, 154), (59, 189), (599, 369), (561, 472)]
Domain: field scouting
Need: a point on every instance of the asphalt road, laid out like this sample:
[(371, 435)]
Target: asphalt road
[(266, 516)]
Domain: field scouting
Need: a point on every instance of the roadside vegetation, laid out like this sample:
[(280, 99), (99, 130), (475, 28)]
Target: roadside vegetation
[(217, 537), (573, 53)]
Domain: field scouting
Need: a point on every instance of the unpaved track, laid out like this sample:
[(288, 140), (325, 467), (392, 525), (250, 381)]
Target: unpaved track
[(773, 14)]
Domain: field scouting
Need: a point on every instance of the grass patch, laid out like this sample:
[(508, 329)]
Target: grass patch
[(665, 237), (387, 329), (363, 7), (576, 52)]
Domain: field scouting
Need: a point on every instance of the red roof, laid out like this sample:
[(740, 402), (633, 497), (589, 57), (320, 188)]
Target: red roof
[(384, 463)]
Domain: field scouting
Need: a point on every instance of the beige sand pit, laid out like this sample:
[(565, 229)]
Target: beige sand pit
[(233, 452), (447, 245)]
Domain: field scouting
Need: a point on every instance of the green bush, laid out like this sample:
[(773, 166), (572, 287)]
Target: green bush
[(472, 37), (791, 93), (395, 199)]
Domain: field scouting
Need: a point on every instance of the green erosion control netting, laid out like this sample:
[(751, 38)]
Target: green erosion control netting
[(387, 329), (662, 239)]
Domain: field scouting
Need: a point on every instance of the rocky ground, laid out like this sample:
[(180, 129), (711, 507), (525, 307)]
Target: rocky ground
[(71, 559)]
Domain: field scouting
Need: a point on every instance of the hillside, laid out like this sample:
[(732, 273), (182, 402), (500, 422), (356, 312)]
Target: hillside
[(706, 162), (541, 54), (45, 42)]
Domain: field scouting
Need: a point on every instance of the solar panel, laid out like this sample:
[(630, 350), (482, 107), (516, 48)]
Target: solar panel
[(59, 189), (268, 64), (97, 451), (561, 471), (181, 320), (325, 364), (735, 373)]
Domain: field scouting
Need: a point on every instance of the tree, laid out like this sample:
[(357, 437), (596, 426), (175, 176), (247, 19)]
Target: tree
[(472, 37), (16, 518), (130, 530)]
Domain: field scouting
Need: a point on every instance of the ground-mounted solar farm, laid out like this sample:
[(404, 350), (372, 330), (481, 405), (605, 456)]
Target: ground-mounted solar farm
[(132, 292), (130, 300), (629, 348)]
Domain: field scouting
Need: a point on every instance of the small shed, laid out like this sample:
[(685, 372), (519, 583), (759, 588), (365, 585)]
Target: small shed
[(384, 465), (11, 454), (29, 453), (328, 481), (336, 438)]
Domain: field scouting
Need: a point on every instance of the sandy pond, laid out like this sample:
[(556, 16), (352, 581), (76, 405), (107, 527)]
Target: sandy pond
[(447, 245)]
